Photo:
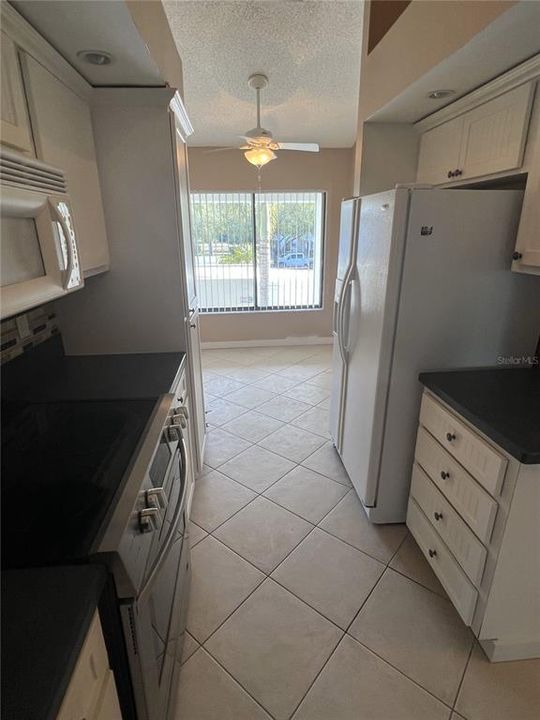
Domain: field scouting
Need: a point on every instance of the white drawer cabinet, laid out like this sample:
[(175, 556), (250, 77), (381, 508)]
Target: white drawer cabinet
[(460, 591), (483, 546), (488, 139), (473, 503), (91, 693), (15, 124), (461, 541), (486, 464)]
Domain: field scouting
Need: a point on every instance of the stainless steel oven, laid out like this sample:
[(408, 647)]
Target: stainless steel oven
[(150, 560)]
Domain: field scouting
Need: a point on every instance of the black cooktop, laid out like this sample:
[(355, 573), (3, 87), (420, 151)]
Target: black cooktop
[(62, 465)]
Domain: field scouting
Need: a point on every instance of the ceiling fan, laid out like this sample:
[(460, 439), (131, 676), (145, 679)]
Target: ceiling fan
[(260, 144)]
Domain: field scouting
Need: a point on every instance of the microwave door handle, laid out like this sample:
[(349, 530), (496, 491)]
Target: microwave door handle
[(177, 512), (69, 246)]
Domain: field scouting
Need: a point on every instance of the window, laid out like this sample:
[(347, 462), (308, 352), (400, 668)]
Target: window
[(258, 251)]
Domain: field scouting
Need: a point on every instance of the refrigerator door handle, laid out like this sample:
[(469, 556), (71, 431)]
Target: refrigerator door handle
[(345, 315), (338, 323)]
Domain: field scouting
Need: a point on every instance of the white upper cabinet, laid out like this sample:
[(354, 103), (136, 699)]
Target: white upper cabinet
[(494, 134), (488, 139), (440, 152), (15, 124), (63, 136)]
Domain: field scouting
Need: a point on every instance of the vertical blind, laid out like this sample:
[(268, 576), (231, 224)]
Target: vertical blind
[(258, 251)]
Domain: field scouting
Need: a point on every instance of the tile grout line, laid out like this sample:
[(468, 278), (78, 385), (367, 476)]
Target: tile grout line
[(268, 577), (296, 708), (317, 525), (462, 680), (235, 680), (410, 679), (387, 565)]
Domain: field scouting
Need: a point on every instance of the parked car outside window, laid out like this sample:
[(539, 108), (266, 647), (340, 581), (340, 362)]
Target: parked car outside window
[(295, 260)]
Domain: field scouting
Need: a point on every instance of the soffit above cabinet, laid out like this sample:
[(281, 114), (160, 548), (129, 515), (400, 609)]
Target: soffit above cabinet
[(94, 25), (508, 41)]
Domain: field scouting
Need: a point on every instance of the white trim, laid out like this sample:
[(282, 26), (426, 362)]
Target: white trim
[(502, 651), (312, 340), (179, 109), (31, 42), (529, 70)]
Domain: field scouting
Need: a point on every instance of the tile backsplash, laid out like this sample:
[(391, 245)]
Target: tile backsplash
[(24, 331)]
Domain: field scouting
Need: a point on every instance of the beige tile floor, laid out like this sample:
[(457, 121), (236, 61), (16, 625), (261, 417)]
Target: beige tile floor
[(299, 607)]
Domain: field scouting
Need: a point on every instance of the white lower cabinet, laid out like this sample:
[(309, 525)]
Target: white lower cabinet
[(459, 538), (483, 546), (91, 693), (460, 591)]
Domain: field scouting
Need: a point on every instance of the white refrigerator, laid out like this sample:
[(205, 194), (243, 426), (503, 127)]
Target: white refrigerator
[(424, 283)]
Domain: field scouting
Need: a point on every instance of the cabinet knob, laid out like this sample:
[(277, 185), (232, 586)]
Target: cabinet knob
[(445, 475), (458, 172), (516, 255), (450, 436), (450, 174), (432, 553), (193, 325), (437, 516)]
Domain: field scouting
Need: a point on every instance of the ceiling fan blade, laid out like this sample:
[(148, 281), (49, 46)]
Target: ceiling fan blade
[(221, 149), (302, 147)]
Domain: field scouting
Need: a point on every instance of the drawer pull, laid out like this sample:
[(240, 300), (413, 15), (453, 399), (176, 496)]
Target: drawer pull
[(438, 516), (450, 436), (432, 553), (445, 475)]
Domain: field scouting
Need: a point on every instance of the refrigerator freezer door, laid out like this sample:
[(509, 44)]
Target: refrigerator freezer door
[(348, 218), (374, 294), (347, 247)]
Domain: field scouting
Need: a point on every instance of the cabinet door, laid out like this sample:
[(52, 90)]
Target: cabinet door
[(494, 134), (15, 123), (64, 137), (196, 383), (439, 152)]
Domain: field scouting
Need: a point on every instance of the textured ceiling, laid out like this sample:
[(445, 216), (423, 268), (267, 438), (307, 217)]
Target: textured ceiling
[(310, 52)]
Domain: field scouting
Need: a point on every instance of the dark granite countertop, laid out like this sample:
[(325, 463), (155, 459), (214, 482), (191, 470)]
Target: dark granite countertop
[(504, 404), (46, 614), (45, 373)]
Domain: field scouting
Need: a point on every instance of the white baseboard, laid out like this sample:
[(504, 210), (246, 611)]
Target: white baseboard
[(502, 651), (313, 340)]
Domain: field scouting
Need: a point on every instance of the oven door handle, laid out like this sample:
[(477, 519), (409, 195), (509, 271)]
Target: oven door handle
[(172, 532)]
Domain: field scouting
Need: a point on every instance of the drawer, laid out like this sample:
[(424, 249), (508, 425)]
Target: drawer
[(472, 502), (480, 459), (460, 591), (85, 686), (461, 541)]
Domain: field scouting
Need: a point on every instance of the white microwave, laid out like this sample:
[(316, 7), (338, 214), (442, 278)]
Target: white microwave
[(39, 253)]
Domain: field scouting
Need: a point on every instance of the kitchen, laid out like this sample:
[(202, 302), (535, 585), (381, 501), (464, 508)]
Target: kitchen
[(102, 366)]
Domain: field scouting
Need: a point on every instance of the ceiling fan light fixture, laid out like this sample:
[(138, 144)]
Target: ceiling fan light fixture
[(259, 156)]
